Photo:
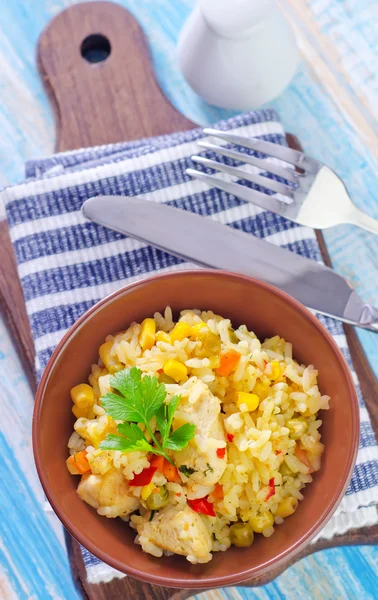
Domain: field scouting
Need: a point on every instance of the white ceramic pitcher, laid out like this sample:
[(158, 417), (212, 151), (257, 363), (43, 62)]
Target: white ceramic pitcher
[(237, 54)]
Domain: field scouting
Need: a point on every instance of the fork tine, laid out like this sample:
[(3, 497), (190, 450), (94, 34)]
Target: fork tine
[(260, 163), (240, 191), (264, 182), (282, 152)]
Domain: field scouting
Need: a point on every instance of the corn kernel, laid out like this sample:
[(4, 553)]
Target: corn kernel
[(162, 336), (147, 490), (287, 507), (147, 334), (251, 400), (214, 362), (262, 521), (109, 361), (261, 390), (98, 437), (276, 370), (71, 466), (80, 412), (176, 370), (180, 331), (82, 395), (197, 328)]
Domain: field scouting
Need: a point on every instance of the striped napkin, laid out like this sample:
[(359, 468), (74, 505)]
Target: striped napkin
[(66, 263)]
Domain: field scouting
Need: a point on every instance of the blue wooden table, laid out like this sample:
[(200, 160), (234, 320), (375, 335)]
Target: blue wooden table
[(332, 107)]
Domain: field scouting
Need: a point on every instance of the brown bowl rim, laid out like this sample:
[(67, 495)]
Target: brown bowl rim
[(246, 574)]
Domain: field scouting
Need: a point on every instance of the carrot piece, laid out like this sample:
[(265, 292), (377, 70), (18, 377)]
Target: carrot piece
[(228, 362), (217, 492), (158, 462), (303, 457), (81, 462), (170, 472)]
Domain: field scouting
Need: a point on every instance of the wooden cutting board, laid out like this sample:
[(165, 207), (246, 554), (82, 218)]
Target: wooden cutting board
[(114, 100)]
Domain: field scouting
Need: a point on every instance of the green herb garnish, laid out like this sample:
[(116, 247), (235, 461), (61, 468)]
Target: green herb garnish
[(187, 471), (139, 400)]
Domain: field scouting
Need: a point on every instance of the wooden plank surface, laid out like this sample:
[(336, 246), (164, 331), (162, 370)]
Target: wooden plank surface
[(36, 134)]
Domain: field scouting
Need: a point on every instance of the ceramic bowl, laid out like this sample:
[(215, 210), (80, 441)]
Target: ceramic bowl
[(265, 310)]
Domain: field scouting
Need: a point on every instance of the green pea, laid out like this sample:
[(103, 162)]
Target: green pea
[(210, 344), (163, 378), (158, 500), (233, 337), (115, 368), (285, 470), (241, 535)]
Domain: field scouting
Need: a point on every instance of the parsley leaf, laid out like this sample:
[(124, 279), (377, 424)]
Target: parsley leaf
[(116, 442), (127, 382), (209, 468), (187, 471), (153, 395), (171, 410), (179, 438), (132, 438), (164, 417), (114, 406), (138, 400), (161, 421)]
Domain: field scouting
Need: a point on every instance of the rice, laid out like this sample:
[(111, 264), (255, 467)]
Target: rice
[(270, 451)]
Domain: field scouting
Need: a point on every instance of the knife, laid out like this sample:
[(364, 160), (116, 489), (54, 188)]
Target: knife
[(205, 242)]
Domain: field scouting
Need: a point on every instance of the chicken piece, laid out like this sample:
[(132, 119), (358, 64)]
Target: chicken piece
[(178, 530), (109, 494), (205, 457)]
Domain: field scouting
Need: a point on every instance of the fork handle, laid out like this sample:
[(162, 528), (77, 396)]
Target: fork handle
[(361, 219)]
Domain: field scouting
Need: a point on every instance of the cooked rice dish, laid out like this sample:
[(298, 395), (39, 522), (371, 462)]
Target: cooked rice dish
[(230, 440)]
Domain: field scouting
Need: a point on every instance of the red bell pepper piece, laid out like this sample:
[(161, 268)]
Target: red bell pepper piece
[(230, 437), (143, 478), (272, 490), (202, 506), (221, 452)]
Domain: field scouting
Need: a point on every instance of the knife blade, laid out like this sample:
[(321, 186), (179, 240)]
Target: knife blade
[(203, 241)]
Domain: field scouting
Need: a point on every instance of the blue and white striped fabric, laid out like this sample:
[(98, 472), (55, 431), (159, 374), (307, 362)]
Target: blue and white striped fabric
[(66, 263)]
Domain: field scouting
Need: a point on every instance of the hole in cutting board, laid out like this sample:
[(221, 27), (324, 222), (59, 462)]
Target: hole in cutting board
[(95, 48)]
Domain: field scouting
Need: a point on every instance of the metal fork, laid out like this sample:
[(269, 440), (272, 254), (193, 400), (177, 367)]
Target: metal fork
[(312, 194)]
